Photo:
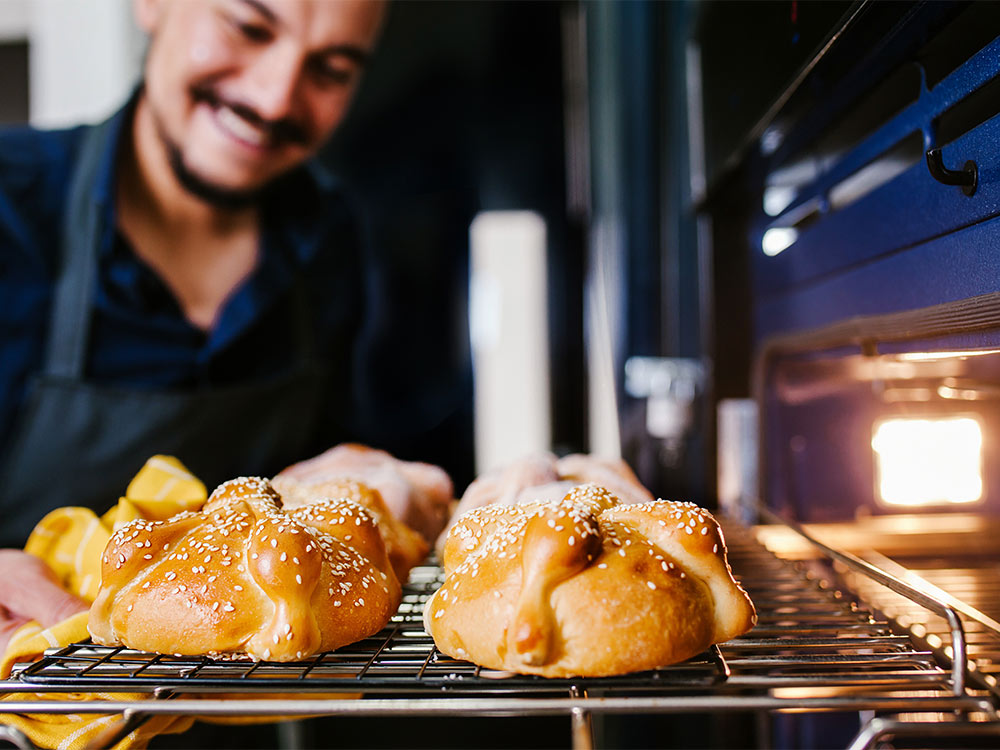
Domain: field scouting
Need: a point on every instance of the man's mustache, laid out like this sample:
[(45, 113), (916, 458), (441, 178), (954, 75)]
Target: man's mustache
[(283, 130)]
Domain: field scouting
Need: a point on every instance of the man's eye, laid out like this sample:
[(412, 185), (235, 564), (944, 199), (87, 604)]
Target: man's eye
[(254, 32), (330, 74)]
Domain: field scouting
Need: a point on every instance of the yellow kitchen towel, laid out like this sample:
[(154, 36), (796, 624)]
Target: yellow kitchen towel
[(71, 541), (80, 731)]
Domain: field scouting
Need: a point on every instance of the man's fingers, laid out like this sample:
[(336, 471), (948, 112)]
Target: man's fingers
[(29, 590), (8, 626)]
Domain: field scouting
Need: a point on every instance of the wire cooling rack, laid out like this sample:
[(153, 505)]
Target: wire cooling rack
[(400, 658), (810, 644), (814, 649)]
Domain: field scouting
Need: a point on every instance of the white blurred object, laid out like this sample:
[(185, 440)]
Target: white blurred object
[(508, 322), (670, 386), (84, 58), (602, 323), (737, 458), (15, 19)]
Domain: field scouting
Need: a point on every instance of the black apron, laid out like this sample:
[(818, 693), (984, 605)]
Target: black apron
[(79, 443)]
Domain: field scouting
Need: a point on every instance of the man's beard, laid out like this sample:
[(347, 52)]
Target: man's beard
[(220, 196), (229, 199)]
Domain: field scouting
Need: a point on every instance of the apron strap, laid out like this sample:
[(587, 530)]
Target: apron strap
[(69, 326)]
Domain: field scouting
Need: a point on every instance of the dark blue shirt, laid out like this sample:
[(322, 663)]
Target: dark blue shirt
[(139, 335)]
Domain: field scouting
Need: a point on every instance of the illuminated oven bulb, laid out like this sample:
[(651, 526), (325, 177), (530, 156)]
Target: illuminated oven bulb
[(928, 461)]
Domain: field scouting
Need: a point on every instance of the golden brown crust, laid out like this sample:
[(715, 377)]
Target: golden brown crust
[(543, 477), (244, 575), (585, 586), (404, 546), (417, 494)]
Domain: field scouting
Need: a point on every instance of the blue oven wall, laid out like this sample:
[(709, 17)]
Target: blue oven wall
[(958, 265), (910, 243)]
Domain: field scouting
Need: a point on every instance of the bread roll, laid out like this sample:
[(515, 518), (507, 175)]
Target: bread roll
[(404, 546), (244, 575), (417, 494), (585, 586), (543, 477)]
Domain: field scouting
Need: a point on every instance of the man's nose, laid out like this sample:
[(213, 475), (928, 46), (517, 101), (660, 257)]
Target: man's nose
[(274, 83)]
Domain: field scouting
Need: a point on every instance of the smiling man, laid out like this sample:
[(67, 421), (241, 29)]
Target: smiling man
[(236, 94), (183, 278)]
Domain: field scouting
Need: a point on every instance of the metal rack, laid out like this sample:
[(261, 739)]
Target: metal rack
[(813, 649), (970, 585)]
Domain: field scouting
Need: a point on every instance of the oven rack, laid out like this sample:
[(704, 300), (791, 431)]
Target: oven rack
[(813, 649), (970, 585)]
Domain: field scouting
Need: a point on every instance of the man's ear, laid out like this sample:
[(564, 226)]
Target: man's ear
[(147, 13)]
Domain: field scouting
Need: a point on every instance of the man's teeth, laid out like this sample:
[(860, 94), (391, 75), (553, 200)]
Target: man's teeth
[(241, 128)]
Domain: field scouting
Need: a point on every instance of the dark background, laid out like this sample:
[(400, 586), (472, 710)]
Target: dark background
[(461, 111)]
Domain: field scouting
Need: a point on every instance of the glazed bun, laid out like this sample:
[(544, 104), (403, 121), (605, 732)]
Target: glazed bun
[(541, 477), (585, 586), (404, 546), (245, 575), (418, 494)]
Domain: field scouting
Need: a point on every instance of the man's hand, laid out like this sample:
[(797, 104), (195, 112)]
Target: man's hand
[(29, 591)]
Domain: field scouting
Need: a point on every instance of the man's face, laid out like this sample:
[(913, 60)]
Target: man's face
[(243, 90)]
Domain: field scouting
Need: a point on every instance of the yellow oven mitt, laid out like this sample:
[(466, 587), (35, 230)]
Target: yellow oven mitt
[(71, 541)]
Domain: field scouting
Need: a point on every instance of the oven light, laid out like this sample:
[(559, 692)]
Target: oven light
[(777, 239), (777, 198), (928, 461)]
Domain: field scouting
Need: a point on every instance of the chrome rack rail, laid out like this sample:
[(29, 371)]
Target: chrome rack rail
[(812, 650), (958, 669), (879, 729)]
